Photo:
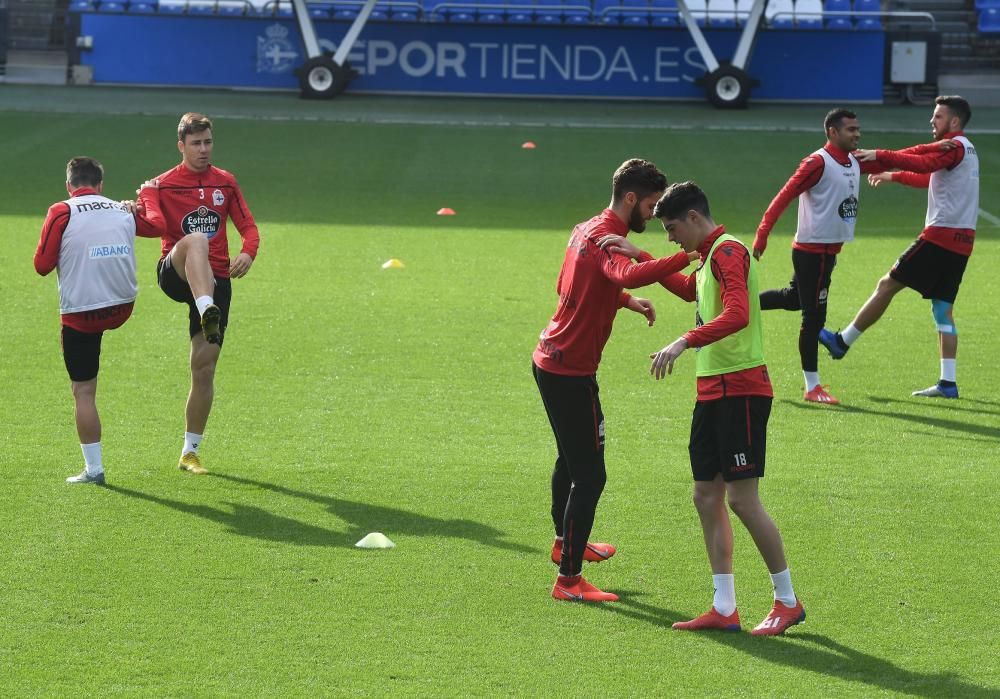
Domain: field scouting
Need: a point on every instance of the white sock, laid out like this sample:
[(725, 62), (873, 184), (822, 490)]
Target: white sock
[(725, 593), (92, 457), (812, 379), (203, 302), (850, 334), (191, 442), (783, 591), (948, 370)]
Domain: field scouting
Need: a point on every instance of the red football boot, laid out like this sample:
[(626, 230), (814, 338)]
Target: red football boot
[(711, 621), (576, 589), (780, 618)]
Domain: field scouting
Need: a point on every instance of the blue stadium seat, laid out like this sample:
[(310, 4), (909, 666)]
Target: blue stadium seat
[(576, 12), (983, 4), (459, 11), (809, 14), (605, 12), (112, 6), (868, 22), (780, 14), (141, 8), (431, 13), (201, 7), (319, 10), (404, 11), (663, 13), (699, 9), (82, 6), (519, 13), (490, 15), (172, 7), (722, 13), (548, 12), (636, 13), (989, 21), (837, 21)]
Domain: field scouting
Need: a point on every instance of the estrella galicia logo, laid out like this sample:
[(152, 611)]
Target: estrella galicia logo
[(275, 53), (202, 220), (848, 208)]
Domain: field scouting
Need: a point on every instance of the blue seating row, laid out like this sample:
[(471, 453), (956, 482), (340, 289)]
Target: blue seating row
[(832, 14)]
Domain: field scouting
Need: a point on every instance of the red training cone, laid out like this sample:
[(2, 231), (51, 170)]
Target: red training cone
[(528, 145), (446, 212)]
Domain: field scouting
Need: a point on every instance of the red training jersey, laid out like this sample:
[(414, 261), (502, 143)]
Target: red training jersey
[(148, 224), (731, 268), (201, 202), (804, 178), (590, 289)]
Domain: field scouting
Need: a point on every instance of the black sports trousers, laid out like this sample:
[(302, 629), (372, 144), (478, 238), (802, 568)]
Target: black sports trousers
[(807, 292), (574, 410)]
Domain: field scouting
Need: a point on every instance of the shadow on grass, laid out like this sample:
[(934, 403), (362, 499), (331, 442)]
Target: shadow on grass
[(943, 423), (247, 520), (363, 518), (815, 653)]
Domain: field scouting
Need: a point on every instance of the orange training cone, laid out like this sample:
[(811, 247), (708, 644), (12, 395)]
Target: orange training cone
[(528, 145), (446, 212)]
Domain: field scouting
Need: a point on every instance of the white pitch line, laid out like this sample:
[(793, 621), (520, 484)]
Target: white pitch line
[(990, 217)]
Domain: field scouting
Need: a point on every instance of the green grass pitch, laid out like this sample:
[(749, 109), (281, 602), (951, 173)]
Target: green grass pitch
[(353, 399)]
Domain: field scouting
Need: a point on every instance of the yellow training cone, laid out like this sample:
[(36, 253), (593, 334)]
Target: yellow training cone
[(392, 264)]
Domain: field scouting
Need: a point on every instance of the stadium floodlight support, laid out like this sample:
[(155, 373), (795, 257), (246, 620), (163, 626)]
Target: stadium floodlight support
[(323, 75), (727, 84)]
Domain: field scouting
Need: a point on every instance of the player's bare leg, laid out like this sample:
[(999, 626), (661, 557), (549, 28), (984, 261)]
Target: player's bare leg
[(710, 502), (204, 357), (838, 343), (88, 422), (88, 427), (189, 257), (787, 610), (744, 500), (876, 304)]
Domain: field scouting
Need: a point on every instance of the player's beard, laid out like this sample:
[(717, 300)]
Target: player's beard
[(636, 223)]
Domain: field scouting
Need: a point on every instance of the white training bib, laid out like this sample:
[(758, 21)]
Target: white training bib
[(828, 210), (97, 255)]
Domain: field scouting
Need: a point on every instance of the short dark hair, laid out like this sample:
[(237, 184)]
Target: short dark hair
[(958, 106), (639, 176), (82, 171), (680, 198), (835, 118), (192, 122)]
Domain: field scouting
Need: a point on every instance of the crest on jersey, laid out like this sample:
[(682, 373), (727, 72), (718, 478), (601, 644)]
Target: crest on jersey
[(202, 220), (848, 208), (275, 53), (218, 198)]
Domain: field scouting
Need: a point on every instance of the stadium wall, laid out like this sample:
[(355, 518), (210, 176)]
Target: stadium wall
[(428, 58)]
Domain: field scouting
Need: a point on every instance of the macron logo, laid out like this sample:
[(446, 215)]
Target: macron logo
[(101, 251)]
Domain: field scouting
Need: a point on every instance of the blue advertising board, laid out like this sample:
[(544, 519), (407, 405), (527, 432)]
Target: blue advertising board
[(438, 58)]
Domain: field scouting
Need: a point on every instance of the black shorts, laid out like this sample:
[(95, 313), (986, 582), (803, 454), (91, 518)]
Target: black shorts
[(81, 353), (931, 270), (178, 290), (729, 436)]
